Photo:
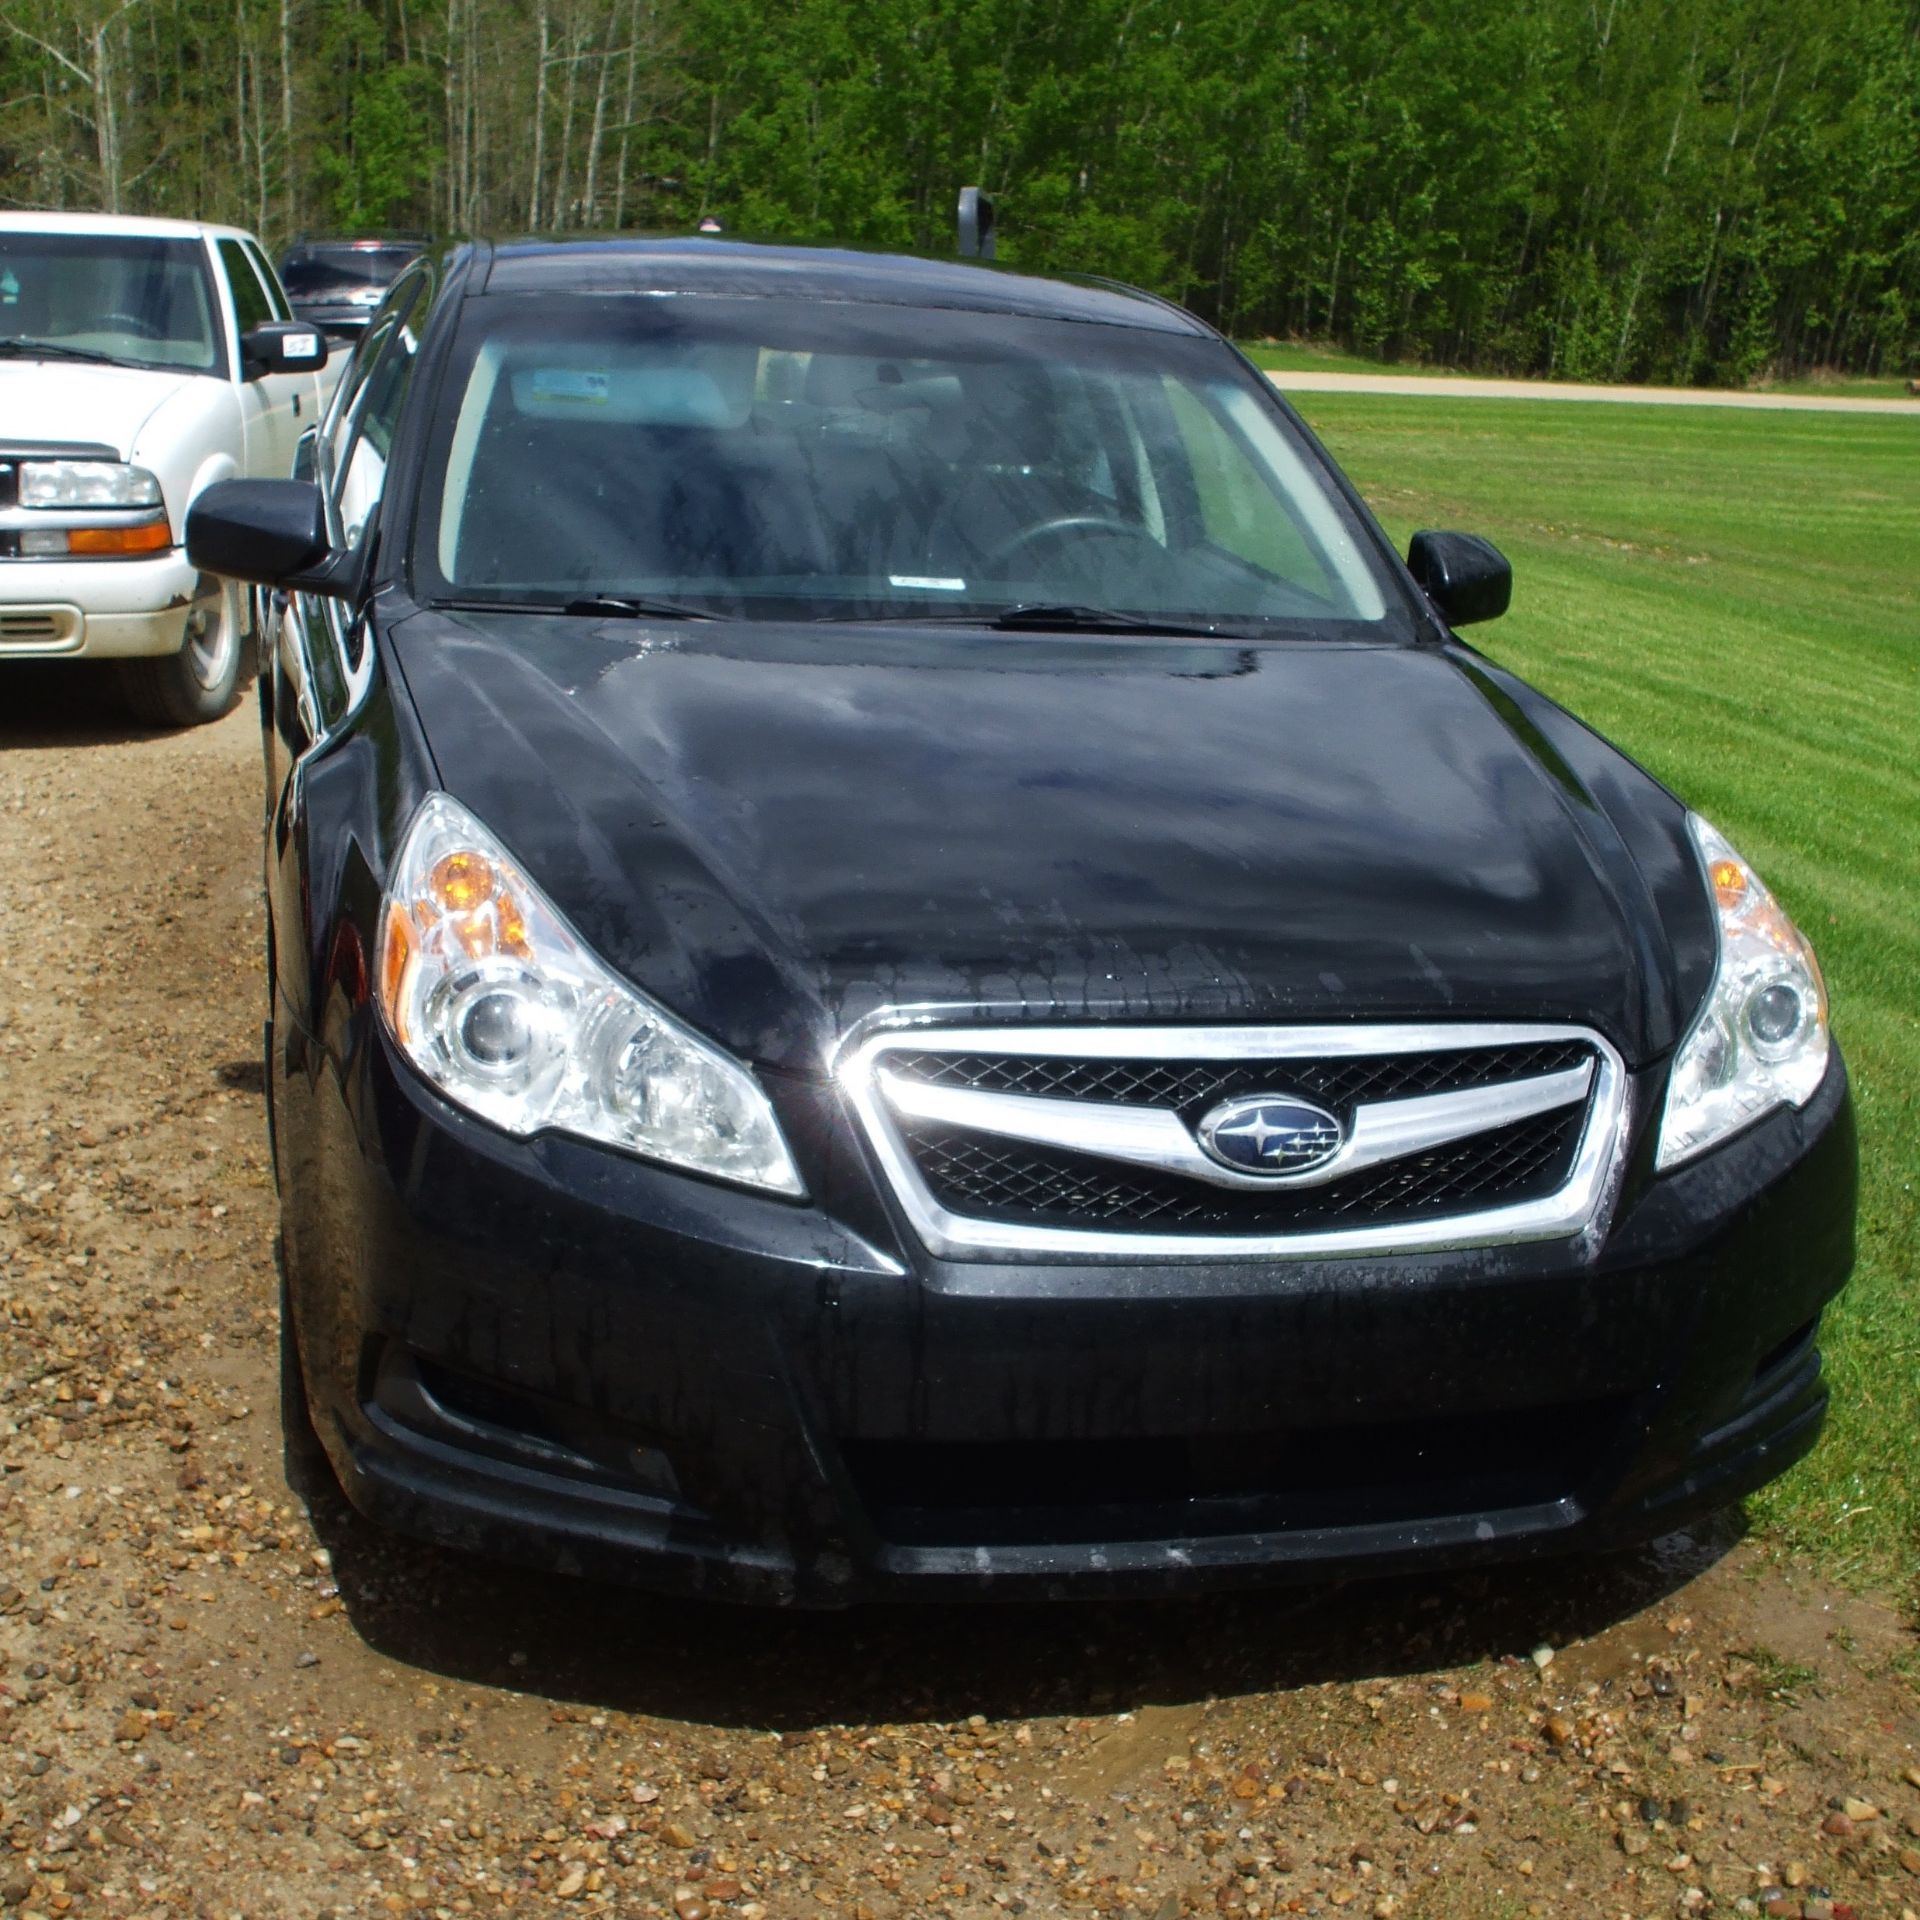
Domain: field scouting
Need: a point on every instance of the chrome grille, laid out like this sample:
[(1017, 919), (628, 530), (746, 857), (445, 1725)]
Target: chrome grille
[(1090, 1141), (1193, 1084)]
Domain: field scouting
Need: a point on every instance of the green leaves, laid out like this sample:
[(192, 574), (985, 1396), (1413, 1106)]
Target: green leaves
[(1603, 189)]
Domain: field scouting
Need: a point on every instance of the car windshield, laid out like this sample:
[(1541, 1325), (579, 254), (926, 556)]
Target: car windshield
[(765, 458), (314, 276), (143, 301)]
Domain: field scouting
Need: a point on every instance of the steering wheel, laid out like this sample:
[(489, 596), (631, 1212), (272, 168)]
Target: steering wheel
[(140, 325), (1063, 526)]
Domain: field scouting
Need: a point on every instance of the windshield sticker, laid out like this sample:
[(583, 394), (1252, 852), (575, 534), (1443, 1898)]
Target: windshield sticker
[(925, 583), (568, 383)]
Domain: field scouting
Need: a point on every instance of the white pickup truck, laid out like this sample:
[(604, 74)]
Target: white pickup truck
[(140, 360)]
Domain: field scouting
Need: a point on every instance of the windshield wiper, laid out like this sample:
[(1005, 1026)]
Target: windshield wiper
[(603, 606), (17, 349), (619, 606), (1065, 616)]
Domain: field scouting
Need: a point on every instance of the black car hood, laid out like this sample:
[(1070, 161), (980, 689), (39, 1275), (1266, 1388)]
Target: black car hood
[(778, 831)]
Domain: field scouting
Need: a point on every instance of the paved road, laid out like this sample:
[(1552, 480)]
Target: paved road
[(1448, 387)]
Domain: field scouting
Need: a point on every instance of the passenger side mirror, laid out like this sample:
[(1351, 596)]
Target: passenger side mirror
[(1466, 577), (282, 346), (272, 533)]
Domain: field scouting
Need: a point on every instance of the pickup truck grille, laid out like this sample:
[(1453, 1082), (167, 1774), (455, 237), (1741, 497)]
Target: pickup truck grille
[(1077, 1142)]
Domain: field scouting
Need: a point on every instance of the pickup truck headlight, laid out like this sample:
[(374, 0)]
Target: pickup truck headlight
[(1761, 1039), (87, 483), (500, 1005)]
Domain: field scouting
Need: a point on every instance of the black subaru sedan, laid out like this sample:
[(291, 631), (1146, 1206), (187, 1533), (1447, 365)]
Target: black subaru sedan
[(905, 959)]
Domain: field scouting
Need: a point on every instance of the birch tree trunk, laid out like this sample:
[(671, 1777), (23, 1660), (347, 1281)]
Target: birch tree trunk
[(289, 153), (590, 194), (626, 115), (539, 125)]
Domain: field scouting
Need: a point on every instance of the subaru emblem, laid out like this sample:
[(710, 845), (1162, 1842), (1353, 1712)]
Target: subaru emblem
[(1270, 1133)]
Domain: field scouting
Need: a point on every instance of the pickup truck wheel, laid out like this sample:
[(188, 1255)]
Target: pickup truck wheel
[(196, 684)]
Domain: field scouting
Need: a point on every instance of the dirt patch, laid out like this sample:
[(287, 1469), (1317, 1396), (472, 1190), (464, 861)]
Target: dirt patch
[(212, 1704)]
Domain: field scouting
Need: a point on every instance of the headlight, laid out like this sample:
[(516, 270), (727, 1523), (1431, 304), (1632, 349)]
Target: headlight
[(86, 483), (1761, 1039), (495, 999)]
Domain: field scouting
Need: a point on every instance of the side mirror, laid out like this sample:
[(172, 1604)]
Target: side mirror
[(1466, 577), (272, 533), (282, 346)]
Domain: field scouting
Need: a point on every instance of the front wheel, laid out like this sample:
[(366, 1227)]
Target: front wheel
[(195, 685)]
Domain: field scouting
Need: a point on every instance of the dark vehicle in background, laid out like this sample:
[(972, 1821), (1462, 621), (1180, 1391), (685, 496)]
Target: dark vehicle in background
[(905, 959), (335, 284)]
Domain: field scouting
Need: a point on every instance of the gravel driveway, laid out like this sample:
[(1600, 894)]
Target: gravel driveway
[(212, 1704)]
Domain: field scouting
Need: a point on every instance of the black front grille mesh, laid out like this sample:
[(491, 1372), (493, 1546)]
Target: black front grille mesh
[(989, 1178), (984, 1176)]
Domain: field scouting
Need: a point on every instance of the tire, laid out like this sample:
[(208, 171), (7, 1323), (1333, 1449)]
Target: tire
[(304, 1460), (197, 684)]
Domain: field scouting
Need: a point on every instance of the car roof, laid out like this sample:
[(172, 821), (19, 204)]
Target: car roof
[(748, 270), (137, 226), (357, 243)]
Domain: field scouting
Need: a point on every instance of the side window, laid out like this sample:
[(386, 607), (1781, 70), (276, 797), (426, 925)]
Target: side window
[(250, 306), (359, 428), (363, 477), (269, 280)]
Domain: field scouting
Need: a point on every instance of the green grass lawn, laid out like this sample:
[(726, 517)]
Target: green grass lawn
[(1734, 598)]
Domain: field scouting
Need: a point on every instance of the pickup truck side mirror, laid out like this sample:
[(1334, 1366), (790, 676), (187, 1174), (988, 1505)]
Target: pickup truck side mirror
[(1466, 577), (282, 346), (272, 533)]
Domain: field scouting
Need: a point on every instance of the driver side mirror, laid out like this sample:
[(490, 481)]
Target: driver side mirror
[(272, 533), (282, 346), (1466, 577)]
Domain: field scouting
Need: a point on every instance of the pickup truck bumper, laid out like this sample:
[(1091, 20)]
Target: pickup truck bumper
[(97, 609)]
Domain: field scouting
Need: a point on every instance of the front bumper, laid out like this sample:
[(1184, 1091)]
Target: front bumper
[(550, 1353), (97, 609)]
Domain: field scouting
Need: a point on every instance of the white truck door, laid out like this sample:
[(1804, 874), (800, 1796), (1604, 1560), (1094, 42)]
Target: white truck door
[(268, 402), (313, 389)]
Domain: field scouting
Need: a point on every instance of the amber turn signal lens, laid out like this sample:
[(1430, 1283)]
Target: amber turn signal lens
[(460, 881), (1729, 882), (396, 963), (152, 536)]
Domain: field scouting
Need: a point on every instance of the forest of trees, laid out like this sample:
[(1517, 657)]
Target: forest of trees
[(1600, 189)]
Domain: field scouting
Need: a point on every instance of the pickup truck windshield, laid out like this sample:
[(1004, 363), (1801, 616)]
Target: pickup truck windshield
[(141, 301), (768, 458)]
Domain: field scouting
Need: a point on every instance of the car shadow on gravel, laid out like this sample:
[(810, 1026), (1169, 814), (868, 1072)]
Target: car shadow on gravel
[(68, 703), (64, 704), (629, 1651)]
